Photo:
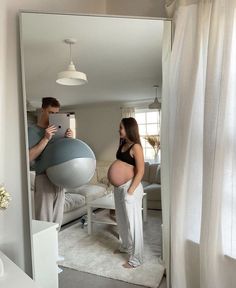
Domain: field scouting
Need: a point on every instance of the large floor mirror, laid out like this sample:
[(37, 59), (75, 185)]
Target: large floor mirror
[(83, 74)]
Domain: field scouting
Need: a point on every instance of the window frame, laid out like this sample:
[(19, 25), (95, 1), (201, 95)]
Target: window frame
[(158, 123)]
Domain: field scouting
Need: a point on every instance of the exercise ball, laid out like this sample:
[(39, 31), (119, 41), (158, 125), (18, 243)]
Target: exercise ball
[(68, 162)]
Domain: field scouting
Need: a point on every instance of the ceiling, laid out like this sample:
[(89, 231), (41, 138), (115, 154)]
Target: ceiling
[(122, 57)]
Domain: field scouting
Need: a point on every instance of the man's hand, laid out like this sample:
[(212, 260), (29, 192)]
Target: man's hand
[(69, 133), (35, 151), (49, 132)]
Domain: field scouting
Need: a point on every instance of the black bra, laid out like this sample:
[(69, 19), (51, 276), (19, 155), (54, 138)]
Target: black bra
[(125, 156)]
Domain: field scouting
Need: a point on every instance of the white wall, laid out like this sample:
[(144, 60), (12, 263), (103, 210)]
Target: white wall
[(2, 104), (98, 126), (145, 8), (14, 222), (2, 88)]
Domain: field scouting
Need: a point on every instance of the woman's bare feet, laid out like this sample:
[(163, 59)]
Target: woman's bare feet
[(127, 265)]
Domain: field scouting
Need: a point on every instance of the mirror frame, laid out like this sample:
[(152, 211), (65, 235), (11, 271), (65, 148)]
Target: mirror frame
[(166, 220)]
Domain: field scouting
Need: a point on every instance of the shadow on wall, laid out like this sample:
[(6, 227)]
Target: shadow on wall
[(109, 151), (150, 8), (156, 8)]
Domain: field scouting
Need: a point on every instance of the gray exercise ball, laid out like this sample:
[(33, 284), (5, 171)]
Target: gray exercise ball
[(68, 162)]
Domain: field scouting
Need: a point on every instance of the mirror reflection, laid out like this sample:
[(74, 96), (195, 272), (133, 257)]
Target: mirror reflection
[(93, 104)]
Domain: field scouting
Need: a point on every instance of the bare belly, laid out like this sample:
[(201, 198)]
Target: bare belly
[(120, 172)]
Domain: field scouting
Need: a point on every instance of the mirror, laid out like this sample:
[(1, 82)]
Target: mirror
[(118, 74)]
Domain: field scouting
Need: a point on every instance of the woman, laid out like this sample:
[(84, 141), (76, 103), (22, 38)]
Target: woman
[(126, 174)]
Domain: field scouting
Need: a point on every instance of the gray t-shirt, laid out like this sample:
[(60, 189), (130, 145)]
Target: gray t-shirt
[(35, 134)]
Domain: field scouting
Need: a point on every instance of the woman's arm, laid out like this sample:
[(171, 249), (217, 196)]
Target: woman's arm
[(139, 169)]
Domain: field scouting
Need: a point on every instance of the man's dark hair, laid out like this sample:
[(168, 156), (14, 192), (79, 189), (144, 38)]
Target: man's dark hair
[(50, 101)]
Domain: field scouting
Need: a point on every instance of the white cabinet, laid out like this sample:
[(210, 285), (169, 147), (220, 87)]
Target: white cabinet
[(13, 276), (45, 253)]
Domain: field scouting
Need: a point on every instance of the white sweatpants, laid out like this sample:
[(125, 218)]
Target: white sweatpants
[(129, 221), (49, 200)]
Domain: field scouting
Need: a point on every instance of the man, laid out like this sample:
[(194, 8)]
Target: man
[(48, 198)]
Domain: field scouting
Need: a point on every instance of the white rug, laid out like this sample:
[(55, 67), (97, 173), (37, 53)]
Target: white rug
[(94, 254)]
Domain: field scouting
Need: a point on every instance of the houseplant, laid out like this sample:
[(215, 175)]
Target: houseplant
[(5, 198), (154, 141)]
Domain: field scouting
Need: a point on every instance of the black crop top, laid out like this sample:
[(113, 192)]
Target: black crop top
[(125, 156)]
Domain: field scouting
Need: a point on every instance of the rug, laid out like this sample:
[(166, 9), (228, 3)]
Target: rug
[(94, 254)]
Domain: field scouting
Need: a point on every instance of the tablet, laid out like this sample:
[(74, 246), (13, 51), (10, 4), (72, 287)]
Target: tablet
[(61, 121)]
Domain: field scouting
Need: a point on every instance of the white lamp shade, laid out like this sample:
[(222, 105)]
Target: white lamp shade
[(71, 77)]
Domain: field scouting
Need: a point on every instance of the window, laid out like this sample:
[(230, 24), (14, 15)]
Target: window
[(149, 125), (73, 124), (72, 121)]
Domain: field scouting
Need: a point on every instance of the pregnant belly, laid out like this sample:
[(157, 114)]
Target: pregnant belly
[(120, 172)]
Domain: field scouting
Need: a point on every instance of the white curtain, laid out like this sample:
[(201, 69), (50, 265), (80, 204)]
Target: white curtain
[(127, 112), (2, 88), (165, 188), (201, 131)]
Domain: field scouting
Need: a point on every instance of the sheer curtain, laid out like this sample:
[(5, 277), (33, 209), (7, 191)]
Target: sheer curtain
[(202, 144)]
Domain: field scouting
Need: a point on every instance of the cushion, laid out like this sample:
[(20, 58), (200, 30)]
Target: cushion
[(92, 192), (78, 190), (102, 172), (145, 183), (105, 181), (73, 201), (94, 178), (159, 174), (102, 169), (71, 190), (153, 191), (146, 172), (153, 173)]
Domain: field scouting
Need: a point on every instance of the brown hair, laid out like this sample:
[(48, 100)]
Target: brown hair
[(131, 129), (50, 101)]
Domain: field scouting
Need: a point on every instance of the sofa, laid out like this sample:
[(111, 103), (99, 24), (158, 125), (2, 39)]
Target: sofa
[(77, 198), (152, 185)]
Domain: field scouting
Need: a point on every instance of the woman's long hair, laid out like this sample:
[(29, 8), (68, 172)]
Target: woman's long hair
[(131, 129)]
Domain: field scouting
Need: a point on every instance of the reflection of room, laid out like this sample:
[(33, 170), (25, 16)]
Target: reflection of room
[(122, 58), (198, 131)]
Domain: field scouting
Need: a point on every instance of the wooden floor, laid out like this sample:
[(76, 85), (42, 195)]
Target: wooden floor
[(70, 278)]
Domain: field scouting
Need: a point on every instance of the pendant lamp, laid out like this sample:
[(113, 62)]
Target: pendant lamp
[(71, 76), (156, 104)]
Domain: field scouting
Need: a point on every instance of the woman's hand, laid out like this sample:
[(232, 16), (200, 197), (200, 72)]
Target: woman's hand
[(130, 191), (49, 132), (69, 133), (139, 161)]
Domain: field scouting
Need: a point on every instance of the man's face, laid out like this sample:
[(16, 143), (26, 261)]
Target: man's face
[(47, 111)]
